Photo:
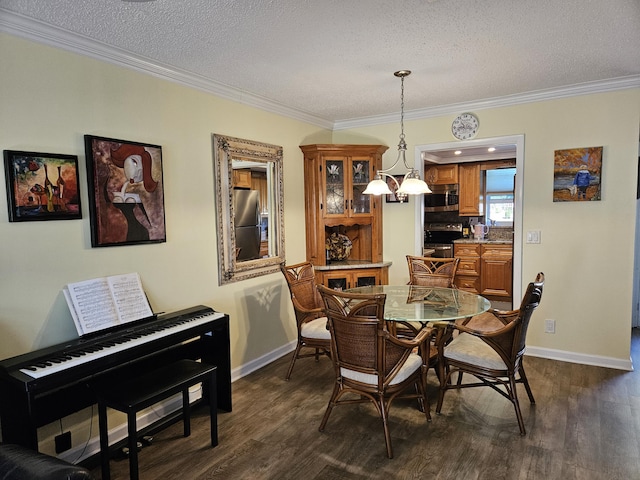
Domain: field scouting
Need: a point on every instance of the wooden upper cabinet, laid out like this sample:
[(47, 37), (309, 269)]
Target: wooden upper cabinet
[(469, 201), (334, 178), (259, 183), (344, 178), (242, 178), (441, 174)]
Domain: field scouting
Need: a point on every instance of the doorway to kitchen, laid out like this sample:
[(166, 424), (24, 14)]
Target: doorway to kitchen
[(515, 143)]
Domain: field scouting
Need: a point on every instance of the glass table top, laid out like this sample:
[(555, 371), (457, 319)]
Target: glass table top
[(412, 303)]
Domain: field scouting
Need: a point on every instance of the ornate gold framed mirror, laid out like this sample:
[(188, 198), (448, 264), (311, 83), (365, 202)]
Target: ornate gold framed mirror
[(249, 204)]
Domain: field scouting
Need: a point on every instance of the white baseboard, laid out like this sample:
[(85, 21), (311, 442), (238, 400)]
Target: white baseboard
[(151, 415), (584, 359), (260, 362)]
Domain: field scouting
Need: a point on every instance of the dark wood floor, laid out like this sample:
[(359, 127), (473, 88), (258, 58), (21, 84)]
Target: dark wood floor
[(585, 425)]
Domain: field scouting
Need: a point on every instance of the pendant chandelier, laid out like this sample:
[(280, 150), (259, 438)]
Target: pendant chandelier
[(412, 184)]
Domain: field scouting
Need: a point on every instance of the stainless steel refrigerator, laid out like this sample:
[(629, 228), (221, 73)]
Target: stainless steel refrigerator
[(246, 205)]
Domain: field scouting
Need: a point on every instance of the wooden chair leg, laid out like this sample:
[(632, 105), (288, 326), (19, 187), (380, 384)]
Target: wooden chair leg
[(525, 381), (385, 426), (516, 404), (332, 402), (421, 387), (293, 361), (444, 380)]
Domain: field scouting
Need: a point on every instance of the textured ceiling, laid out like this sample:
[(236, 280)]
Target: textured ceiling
[(334, 59)]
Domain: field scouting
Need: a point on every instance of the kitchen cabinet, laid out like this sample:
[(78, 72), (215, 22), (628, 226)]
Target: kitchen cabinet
[(343, 279), (242, 178), (470, 188), (441, 174), (468, 273), (334, 178), (485, 268), (259, 183), (496, 270)]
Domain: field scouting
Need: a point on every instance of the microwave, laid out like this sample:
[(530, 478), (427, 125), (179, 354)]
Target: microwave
[(444, 198)]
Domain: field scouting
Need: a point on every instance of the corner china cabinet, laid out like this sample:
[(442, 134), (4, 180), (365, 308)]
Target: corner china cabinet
[(343, 226)]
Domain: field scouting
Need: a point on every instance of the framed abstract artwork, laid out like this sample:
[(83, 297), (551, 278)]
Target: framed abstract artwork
[(576, 174), (126, 196), (41, 186)]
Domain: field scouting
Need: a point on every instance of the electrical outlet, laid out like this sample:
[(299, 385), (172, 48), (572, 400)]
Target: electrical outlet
[(549, 326), (63, 442)]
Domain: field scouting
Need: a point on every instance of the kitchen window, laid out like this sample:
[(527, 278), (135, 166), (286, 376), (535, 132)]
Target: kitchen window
[(500, 209), (498, 196)]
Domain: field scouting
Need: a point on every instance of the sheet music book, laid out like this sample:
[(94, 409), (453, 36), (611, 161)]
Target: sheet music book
[(106, 302)]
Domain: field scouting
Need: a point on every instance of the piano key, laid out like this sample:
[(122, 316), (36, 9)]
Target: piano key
[(102, 349)]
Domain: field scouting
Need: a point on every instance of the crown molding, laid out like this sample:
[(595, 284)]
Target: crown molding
[(587, 88), (40, 32), (25, 27)]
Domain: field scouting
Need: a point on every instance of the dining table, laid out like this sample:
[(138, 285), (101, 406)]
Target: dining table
[(422, 304)]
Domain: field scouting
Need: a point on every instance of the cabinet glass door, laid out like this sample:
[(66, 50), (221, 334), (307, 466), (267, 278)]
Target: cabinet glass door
[(366, 281), (337, 283), (361, 170), (335, 188)]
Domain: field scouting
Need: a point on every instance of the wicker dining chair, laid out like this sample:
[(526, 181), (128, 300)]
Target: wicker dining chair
[(311, 322), (494, 356), (372, 365), (432, 271)]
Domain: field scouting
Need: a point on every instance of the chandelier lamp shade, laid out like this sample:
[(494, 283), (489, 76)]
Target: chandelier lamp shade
[(412, 184)]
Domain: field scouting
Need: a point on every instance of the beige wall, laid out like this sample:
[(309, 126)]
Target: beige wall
[(587, 249), (51, 98)]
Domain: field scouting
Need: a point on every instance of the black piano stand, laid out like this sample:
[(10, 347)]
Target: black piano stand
[(147, 389)]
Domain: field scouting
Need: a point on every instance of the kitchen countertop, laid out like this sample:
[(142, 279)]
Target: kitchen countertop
[(483, 241), (351, 264)]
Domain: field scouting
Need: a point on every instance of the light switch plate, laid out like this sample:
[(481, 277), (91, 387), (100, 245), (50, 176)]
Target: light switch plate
[(534, 236)]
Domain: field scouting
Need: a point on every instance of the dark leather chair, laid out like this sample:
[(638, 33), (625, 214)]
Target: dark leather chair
[(20, 463)]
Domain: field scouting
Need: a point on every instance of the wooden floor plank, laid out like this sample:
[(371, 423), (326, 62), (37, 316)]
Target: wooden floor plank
[(585, 425)]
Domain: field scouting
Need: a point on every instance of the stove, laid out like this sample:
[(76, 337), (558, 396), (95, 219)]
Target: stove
[(440, 236)]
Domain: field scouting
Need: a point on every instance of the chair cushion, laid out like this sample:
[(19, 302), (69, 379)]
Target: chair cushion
[(413, 363), (316, 329), (470, 349)]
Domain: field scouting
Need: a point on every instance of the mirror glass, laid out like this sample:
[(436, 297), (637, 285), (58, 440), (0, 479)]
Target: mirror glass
[(249, 201)]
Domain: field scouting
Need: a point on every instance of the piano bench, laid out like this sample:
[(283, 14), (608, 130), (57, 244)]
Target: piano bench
[(142, 391)]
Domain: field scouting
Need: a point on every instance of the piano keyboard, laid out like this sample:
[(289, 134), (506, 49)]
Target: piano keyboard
[(104, 348)]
